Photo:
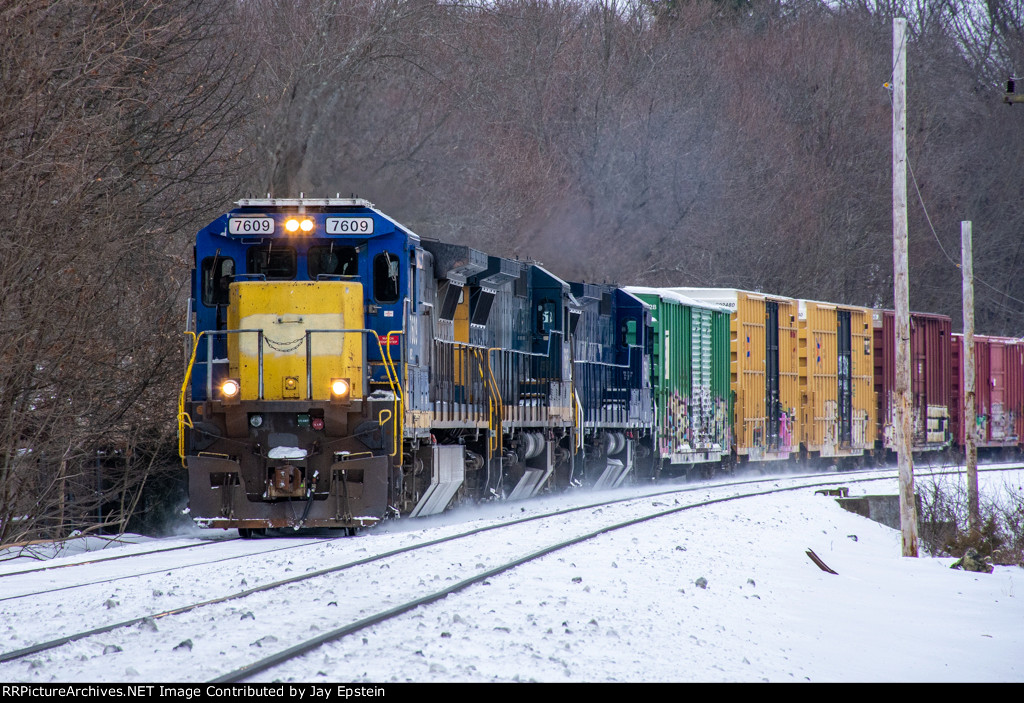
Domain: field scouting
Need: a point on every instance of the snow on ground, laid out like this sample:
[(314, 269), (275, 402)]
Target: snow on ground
[(627, 606)]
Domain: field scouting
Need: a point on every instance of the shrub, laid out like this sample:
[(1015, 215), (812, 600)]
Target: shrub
[(945, 529)]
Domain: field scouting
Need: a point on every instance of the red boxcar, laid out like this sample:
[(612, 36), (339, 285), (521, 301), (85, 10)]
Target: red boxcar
[(930, 378), (998, 390)]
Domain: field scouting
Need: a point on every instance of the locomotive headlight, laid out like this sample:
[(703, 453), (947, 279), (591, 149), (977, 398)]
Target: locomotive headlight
[(340, 388), (229, 390), (255, 420), (294, 224)]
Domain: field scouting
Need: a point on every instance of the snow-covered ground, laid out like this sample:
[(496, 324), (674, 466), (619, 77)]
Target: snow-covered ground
[(622, 607)]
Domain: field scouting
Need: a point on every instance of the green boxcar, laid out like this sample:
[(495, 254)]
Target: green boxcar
[(690, 358)]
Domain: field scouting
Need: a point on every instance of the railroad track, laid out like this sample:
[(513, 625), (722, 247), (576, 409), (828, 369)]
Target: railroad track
[(115, 557), (357, 593), (65, 581), (247, 549)]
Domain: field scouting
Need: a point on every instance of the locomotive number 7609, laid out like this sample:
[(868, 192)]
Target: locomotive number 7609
[(250, 225), (349, 225)]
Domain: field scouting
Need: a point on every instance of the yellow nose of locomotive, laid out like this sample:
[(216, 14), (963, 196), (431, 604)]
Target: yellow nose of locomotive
[(305, 355)]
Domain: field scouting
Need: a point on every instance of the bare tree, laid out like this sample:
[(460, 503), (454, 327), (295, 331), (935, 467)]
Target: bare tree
[(115, 126)]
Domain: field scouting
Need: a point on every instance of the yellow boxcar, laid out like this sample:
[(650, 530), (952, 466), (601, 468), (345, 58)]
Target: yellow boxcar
[(764, 370), (288, 367), (837, 397)]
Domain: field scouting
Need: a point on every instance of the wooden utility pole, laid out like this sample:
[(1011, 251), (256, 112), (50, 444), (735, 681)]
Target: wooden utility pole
[(969, 412), (904, 435)]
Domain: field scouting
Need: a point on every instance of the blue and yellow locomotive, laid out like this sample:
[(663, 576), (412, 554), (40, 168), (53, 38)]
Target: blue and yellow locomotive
[(344, 370)]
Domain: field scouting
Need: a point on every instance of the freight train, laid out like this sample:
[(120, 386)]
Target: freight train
[(343, 370)]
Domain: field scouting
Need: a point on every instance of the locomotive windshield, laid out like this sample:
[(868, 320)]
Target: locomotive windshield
[(332, 261), (218, 272), (274, 263)]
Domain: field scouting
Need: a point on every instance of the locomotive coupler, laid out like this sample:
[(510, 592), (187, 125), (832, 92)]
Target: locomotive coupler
[(286, 481)]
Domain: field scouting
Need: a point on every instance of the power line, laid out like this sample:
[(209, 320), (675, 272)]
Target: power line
[(931, 226)]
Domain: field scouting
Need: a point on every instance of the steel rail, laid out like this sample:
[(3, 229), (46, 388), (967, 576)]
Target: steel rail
[(166, 569), (118, 556)]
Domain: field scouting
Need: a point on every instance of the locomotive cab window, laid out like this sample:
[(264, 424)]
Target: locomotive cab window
[(332, 261), (628, 332), (274, 263), (218, 273), (546, 316), (385, 277)]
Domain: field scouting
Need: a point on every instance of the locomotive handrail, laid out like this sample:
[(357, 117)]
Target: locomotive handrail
[(396, 387), (184, 419), (336, 277), (309, 354), (628, 364), (481, 347), (182, 415), (260, 337), (210, 360), (494, 404), (578, 419)]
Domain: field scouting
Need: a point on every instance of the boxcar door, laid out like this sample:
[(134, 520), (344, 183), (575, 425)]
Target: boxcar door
[(702, 407), (844, 372), (773, 405), (919, 381)]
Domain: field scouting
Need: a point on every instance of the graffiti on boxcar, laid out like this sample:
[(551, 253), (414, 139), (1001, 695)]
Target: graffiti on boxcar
[(860, 427), (697, 423), (676, 426), (723, 422), (1003, 423), (786, 430), (702, 419), (831, 438)]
